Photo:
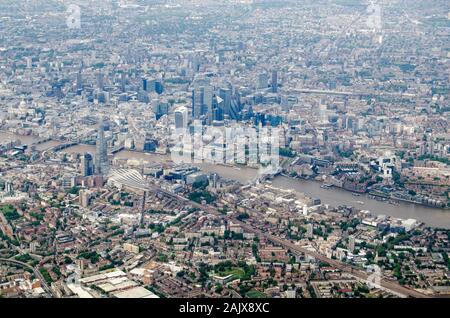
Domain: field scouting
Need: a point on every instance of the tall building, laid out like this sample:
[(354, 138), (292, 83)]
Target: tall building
[(160, 108), (235, 109), (195, 62), (100, 84), (274, 81), (351, 243), (29, 62), (145, 84), (101, 157), (159, 87), (262, 81), (79, 82), (235, 106), (285, 106), (208, 102), (150, 85), (218, 106), (181, 118), (197, 102), (87, 165), (85, 198), (225, 94)]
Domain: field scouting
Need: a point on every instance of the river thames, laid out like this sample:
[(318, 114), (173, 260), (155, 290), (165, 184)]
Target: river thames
[(333, 196)]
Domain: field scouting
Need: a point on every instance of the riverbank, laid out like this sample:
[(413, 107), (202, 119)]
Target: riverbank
[(399, 199), (334, 196), (337, 197)]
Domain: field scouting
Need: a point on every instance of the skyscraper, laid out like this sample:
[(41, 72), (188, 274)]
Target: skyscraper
[(197, 102), (262, 80), (195, 62), (181, 118), (100, 84), (145, 84), (159, 87), (87, 165), (235, 109), (101, 157), (79, 82), (218, 106), (160, 108), (150, 85), (274, 81), (225, 94), (208, 102)]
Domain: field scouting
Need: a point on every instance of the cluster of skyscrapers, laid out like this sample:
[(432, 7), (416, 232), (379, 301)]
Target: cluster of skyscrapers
[(212, 104)]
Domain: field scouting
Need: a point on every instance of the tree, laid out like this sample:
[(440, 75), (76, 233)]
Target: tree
[(398, 272), (219, 288), (243, 216), (181, 274)]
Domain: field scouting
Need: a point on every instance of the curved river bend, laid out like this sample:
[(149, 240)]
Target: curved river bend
[(334, 196)]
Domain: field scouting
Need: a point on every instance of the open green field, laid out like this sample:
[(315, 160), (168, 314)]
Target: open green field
[(255, 294), (9, 212), (238, 273)]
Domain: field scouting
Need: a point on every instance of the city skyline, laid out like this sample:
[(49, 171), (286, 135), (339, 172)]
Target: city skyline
[(224, 149)]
